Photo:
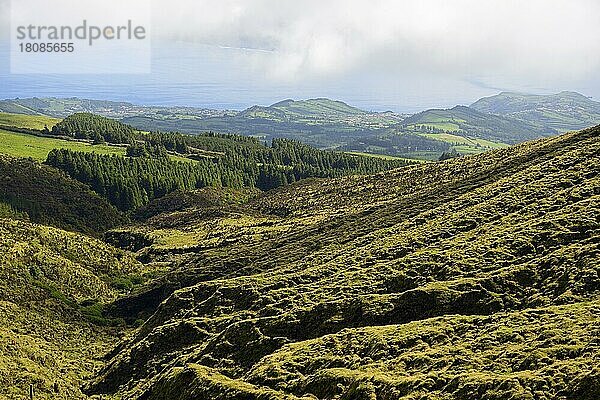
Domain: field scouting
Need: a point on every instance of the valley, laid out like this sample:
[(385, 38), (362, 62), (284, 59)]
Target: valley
[(309, 200), (215, 266)]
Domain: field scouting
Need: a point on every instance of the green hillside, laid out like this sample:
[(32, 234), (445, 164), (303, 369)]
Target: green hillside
[(25, 145), (26, 121), (470, 123), (563, 111), (84, 146), (63, 107), (475, 277), (24, 136), (506, 118), (220, 160), (45, 195), (282, 271), (311, 110), (316, 107), (415, 145), (52, 287), (320, 122), (323, 123), (60, 108)]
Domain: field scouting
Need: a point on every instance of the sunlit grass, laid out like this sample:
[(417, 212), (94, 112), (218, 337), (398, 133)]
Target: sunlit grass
[(24, 145)]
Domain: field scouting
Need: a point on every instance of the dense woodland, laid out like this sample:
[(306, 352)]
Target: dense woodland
[(94, 127), (219, 160)]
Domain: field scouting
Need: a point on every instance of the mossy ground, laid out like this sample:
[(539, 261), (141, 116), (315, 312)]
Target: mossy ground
[(470, 278), (52, 331)]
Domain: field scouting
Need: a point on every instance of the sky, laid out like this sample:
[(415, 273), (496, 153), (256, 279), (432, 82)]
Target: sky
[(399, 55)]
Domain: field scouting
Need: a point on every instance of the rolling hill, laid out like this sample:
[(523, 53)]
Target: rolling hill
[(329, 124), (323, 123), (314, 119), (58, 108), (63, 107), (477, 277), (320, 106), (489, 123), (563, 111), (470, 123), (45, 195), (130, 168), (310, 111)]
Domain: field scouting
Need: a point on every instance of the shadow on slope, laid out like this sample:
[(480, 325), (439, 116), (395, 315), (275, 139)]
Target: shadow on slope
[(509, 230)]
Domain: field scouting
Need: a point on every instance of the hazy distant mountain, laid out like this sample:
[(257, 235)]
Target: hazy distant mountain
[(321, 111), (303, 109), (468, 122), (55, 107), (562, 111), (63, 107)]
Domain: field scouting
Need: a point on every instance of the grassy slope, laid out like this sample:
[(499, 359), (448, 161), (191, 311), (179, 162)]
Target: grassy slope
[(468, 122), (514, 355), (312, 275), (24, 145), (460, 140), (13, 107), (303, 108), (320, 111), (383, 156), (49, 283), (27, 121), (57, 106), (465, 145)]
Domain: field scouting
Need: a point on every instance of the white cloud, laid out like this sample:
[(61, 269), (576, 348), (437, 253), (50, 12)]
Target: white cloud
[(401, 54), (519, 40)]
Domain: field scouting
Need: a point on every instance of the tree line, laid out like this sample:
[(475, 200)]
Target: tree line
[(131, 182), (233, 161)]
